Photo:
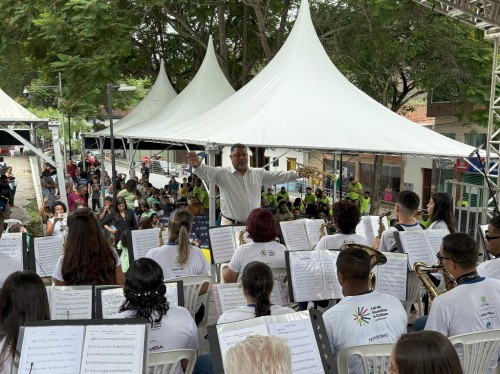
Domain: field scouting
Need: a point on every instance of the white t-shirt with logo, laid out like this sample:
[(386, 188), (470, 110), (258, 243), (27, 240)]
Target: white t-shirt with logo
[(176, 330), (371, 318), (270, 253), (387, 242), (337, 240), (489, 269), (470, 307), (245, 312), (166, 257)]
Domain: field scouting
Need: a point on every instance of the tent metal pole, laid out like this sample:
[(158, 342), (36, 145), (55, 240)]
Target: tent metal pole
[(61, 182), (340, 176)]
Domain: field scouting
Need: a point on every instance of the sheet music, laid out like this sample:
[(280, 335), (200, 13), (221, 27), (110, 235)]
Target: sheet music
[(222, 243), (231, 335), (331, 286), (368, 227), (51, 350), (312, 229), (361, 228), (295, 235), (11, 244), (172, 295), (113, 349), (47, 250), (435, 239), (111, 301), (307, 277), (417, 246), (71, 302), (391, 277), (300, 337), (144, 240)]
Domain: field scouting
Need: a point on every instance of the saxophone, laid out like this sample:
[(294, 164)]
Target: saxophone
[(323, 228), (241, 237), (376, 258), (160, 236), (381, 226), (430, 287)]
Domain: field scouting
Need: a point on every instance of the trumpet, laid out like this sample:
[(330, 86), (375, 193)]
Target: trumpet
[(306, 171), (376, 258)]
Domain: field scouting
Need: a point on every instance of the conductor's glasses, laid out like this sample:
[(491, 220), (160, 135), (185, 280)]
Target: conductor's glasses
[(488, 237)]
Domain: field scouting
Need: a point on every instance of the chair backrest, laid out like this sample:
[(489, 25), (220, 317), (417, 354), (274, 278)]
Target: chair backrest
[(375, 357), (168, 362), (192, 287), (477, 350)]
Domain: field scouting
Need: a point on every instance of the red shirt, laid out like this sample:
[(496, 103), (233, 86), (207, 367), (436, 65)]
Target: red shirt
[(74, 198), (71, 169)]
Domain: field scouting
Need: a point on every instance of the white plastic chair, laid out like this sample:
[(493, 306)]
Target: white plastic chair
[(8, 223), (477, 350), (167, 362), (379, 354), (192, 286)]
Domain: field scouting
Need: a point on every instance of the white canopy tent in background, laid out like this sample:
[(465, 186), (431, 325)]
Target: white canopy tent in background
[(301, 100), (11, 112), (207, 89), (160, 94)]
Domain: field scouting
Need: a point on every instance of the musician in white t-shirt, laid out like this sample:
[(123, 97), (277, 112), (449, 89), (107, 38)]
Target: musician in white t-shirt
[(407, 203), (474, 305), (362, 316), (261, 228), (257, 283), (491, 268), (145, 297), (345, 218), (178, 258)]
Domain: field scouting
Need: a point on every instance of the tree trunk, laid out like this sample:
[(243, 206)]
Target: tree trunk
[(261, 22), (223, 50), (245, 66), (376, 195)]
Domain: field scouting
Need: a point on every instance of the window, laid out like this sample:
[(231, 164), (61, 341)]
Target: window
[(391, 174), (474, 139)]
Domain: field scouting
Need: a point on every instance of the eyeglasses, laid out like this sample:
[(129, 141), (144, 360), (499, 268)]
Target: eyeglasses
[(441, 258), (488, 237)]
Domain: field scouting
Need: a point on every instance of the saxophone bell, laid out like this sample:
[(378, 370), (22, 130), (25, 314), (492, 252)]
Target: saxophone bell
[(430, 288)]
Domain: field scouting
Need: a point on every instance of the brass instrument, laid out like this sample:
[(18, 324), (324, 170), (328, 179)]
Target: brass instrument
[(376, 258), (323, 228), (381, 227), (430, 288), (306, 171), (241, 237)]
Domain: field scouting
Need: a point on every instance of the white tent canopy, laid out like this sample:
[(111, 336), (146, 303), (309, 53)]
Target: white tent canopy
[(301, 100), (160, 94), (207, 89), (11, 112)]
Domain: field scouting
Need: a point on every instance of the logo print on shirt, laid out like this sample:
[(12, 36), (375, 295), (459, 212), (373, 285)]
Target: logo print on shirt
[(361, 316), (263, 252), (483, 299)]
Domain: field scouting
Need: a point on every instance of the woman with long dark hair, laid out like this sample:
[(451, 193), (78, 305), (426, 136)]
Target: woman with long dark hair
[(121, 220), (23, 298), (172, 327), (262, 229), (440, 209), (257, 281), (178, 258), (424, 352), (87, 258)]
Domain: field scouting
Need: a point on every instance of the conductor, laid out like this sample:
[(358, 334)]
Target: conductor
[(240, 185)]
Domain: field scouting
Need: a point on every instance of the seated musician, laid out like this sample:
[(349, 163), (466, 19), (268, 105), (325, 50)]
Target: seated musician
[(407, 203), (491, 268), (474, 305), (378, 318)]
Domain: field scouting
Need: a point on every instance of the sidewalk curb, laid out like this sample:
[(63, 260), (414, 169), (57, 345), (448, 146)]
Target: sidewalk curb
[(36, 180)]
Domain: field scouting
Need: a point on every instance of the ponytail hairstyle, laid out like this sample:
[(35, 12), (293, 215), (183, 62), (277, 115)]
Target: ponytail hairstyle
[(180, 225), (145, 291), (257, 281)]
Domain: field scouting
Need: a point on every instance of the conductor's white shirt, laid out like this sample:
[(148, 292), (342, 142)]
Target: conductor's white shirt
[(239, 194)]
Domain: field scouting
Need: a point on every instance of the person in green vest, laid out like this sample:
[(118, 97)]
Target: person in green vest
[(355, 189), (283, 193), (205, 199), (462, 203), (310, 200), (365, 200), (269, 196), (297, 204), (323, 198), (197, 192)]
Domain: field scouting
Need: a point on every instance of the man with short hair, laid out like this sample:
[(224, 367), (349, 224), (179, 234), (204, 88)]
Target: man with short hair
[(240, 185), (407, 203), (284, 194), (310, 200), (355, 189), (491, 268), (269, 196), (362, 316), (71, 168), (472, 306)]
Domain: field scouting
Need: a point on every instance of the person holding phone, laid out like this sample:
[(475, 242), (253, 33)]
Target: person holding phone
[(56, 226)]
